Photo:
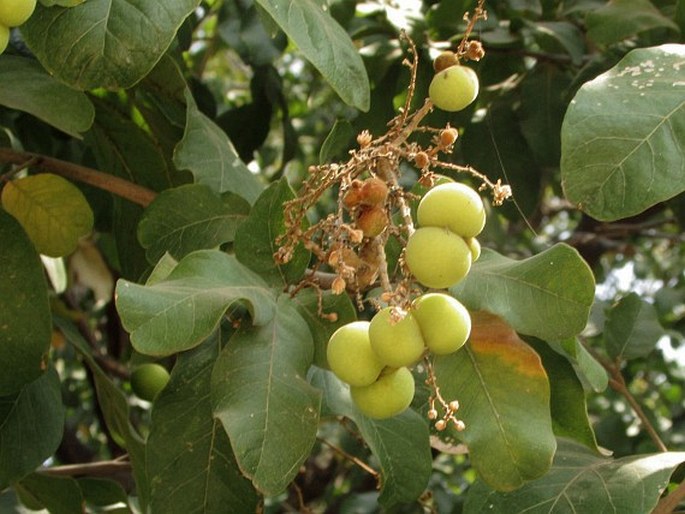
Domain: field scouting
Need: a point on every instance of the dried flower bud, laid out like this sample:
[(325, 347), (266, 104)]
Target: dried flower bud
[(432, 414), (353, 195), (356, 236), (458, 425), (421, 160), (440, 425), (338, 285), (364, 138), (454, 405), (372, 221), (444, 61), (448, 136), (475, 51), (373, 192)]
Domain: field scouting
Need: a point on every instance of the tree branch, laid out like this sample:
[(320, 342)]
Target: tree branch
[(115, 185), (669, 503), (106, 468)]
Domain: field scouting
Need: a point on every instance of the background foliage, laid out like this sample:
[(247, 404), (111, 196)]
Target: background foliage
[(146, 151)]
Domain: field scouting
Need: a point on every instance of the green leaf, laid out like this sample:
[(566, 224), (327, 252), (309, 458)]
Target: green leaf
[(587, 368), (201, 469), (25, 85), (632, 328), (337, 141), (255, 239), (504, 395), (60, 495), (307, 303), (262, 399), (206, 151), (621, 19), (400, 443), (104, 43), (568, 403), (53, 212), (179, 312), (621, 141), (31, 427), (547, 296), (187, 218), (556, 36), (25, 320), (326, 45), (102, 491), (582, 481)]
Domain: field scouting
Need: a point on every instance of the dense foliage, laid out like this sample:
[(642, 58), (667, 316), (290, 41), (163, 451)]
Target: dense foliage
[(177, 184)]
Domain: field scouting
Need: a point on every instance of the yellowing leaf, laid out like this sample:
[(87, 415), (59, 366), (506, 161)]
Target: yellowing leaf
[(53, 212)]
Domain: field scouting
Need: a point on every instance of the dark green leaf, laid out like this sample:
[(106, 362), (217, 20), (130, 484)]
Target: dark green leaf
[(621, 19), (190, 463), (102, 491), (337, 141), (582, 481), (622, 145), (187, 218), (504, 395), (255, 240), (559, 36), (206, 151), (400, 443), (262, 399), (60, 495), (632, 328), (547, 296), (31, 427), (25, 85), (25, 320), (179, 312), (588, 369), (104, 43), (325, 44)]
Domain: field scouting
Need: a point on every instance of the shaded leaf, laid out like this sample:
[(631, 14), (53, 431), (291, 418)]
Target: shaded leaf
[(632, 328), (400, 443), (59, 495), (179, 312), (24, 321), (104, 43), (588, 369), (190, 463), (504, 395), (102, 491), (263, 401), (622, 145), (31, 427), (187, 218), (52, 211), (337, 141), (206, 151), (547, 296), (326, 45), (255, 239), (621, 19), (26, 86), (582, 481)]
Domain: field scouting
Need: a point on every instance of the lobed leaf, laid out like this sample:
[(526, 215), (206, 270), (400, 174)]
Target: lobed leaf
[(582, 481), (179, 312), (263, 401), (190, 464), (504, 395), (621, 141), (547, 296), (24, 321)]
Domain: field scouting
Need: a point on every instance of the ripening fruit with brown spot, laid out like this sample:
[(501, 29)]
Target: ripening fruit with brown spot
[(445, 60), (372, 221), (421, 160), (454, 88)]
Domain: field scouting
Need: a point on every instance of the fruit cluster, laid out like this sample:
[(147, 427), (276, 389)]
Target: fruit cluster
[(374, 357), (450, 216), (12, 14)]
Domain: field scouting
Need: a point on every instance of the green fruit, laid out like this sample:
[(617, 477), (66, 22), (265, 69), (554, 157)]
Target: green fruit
[(474, 246), (15, 12), (454, 206), (445, 323), (437, 257), (453, 88), (4, 37), (388, 396), (148, 380), (396, 343), (350, 355)]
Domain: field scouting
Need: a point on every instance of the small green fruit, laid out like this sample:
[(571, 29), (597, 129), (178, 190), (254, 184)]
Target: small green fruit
[(350, 355), (15, 12), (148, 380), (445, 323), (474, 245), (454, 88), (396, 343), (454, 206), (388, 396), (437, 257), (4, 37)]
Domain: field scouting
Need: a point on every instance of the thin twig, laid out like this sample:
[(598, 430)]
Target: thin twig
[(670, 502), (351, 458), (115, 185), (98, 469)]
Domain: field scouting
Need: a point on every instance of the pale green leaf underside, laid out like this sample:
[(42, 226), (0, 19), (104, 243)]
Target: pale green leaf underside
[(104, 43), (623, 137)]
